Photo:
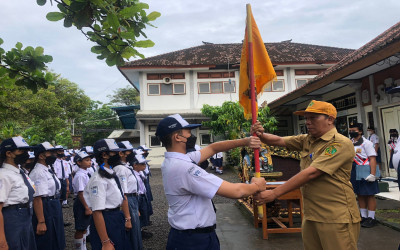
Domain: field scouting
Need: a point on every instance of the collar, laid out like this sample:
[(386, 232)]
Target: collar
[(82, 170), (177, 155), (11, 167), (110, 171), (42, 166), (329, 135)]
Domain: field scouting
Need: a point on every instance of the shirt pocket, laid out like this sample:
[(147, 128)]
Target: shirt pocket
[(304, 160)]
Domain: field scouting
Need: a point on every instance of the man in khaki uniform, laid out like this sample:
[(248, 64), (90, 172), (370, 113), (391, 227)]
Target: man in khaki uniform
[(331, 217)]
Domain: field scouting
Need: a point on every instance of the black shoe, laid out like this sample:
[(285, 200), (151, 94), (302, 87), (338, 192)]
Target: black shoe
[(146, 235), (362, 220), (67, 224), (369, 222)]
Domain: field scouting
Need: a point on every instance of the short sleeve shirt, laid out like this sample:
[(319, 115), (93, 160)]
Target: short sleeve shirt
[(58, 165), (189, 190), (127, 178), (364, 151), (45, 184), (102, 193), (328, 198), (374, 139), (80, 180), (12, 186)]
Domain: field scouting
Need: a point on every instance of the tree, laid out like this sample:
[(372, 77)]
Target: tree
[(115, 26), (24, 67), (125, 96)]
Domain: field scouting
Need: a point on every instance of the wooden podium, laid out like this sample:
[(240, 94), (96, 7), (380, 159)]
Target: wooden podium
[(291, 197)]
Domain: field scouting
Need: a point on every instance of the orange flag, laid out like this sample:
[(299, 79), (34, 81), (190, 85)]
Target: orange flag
[(263, 70)]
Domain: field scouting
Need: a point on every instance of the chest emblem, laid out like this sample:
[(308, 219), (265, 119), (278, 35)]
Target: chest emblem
[(95, 190), (330, 150), (358, 151)]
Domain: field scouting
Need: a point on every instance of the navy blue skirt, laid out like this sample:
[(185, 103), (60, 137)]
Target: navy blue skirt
[(144, 210), (18, 228), (363, 187), (115, 227), (135, 235), (54, 238), (82, 221)]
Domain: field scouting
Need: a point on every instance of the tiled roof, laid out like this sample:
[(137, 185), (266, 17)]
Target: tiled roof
[(387, 38), (219, 54)]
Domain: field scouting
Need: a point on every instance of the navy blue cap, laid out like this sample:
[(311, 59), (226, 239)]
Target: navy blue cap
[(173, 123), (14, 143), (80, 156), (42, 147), (125, 145), (106, 145)]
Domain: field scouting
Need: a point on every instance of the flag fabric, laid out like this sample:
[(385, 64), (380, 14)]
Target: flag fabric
[(263, 70)]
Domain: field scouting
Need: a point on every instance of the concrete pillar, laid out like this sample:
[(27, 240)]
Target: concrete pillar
[(142, 135)]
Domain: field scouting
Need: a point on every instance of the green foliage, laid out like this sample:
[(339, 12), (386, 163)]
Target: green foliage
[(228, 121), (9, 129), (24, 67), (115, 26), (125, 96)]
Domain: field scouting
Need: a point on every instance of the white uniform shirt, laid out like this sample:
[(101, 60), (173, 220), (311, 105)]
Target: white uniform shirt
[(127, 179), (363, 151), (142, 187), (102, 193), (44, 182), (80, 180), (396, 156), (93, 168), (189, 190), (12, 186), (58, 169), (374, 139), (218, 155)]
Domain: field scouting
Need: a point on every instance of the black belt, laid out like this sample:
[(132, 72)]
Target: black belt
[(142, 195), (199, 230), (17, 206), (131, 194), (50, 197), (111, 209)]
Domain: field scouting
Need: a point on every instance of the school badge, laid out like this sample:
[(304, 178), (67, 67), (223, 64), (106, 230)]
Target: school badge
[(330, 150), (311, 103), (358, 151)]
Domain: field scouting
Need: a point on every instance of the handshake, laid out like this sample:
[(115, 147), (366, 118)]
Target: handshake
[(263, 195)]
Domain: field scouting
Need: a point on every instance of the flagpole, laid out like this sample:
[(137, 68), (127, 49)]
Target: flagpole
[(252, 86)]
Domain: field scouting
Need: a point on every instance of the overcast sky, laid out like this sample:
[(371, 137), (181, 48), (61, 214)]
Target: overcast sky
[(186, 23)]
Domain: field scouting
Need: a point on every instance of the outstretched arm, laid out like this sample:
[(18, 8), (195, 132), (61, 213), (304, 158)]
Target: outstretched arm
[(269, 139)]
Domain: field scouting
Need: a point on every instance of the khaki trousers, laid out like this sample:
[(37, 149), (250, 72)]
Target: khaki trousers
[(330, 236)]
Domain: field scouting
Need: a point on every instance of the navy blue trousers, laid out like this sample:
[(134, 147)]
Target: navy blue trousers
[(134, 235), (18, 229), (179, 240), (63, 189), (54, 238), (115, 227), (144, 211)]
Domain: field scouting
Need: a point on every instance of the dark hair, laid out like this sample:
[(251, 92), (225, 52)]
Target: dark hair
[(99, 159), (357, 125), (371, 128), (167, 140), (2, 157)]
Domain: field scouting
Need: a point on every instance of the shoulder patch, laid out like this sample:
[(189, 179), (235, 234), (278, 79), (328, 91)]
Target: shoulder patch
[(94, 190), (330, 150), (196, 173), (190, 170)]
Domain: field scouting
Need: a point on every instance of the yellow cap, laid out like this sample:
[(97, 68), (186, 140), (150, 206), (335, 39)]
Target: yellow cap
[(319, 108)]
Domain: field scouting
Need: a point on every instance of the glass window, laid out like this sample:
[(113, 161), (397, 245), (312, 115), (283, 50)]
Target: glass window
[(205, 139), (154, 141), (216, 87), (300, 82), (229, 87), (278, 86), (268, 88), (166, 89), (154, 89), (179, 88), (204, 87)]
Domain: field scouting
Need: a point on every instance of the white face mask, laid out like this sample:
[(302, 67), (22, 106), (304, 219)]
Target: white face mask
[(369, 133)]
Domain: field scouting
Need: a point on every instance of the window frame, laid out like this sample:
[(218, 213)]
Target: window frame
[(301, 79), (272, 86), (154, 84), (223, 87), (173, 88), (201, 139), (150, 142)]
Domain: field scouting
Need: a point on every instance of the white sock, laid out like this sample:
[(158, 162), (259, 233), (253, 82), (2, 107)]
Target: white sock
[(78, 244), (87, 231), (217, 169), (64, 202), (364, 212), (371, 214)]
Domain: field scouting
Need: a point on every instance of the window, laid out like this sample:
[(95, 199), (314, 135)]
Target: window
[(205, 139), (300, 82), (154, 89), (276, 86), (152, 128), (154, 141), (166, 89), (217, 87)]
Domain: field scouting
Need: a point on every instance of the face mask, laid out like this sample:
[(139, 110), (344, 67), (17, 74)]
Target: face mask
[(130, 158), (369, 133), (22, 158), (393, 136), (191, 141), (145, 154), (114, 160), (50, 160), (29, 165), (353, 134), (60, 155), (68, 158)]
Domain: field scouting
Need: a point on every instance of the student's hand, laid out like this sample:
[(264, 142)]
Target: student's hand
[(128, 225), (257, 128), (3, 245), (260, 182), (88, 211), (371, 178), (41, 228), (254, 142), (264, 197), (107, 246)]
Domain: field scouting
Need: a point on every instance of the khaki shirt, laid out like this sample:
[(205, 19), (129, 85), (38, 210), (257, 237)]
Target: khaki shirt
[(328, 198)]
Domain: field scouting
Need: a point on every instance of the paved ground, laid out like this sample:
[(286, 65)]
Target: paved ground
[(235, 229)]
